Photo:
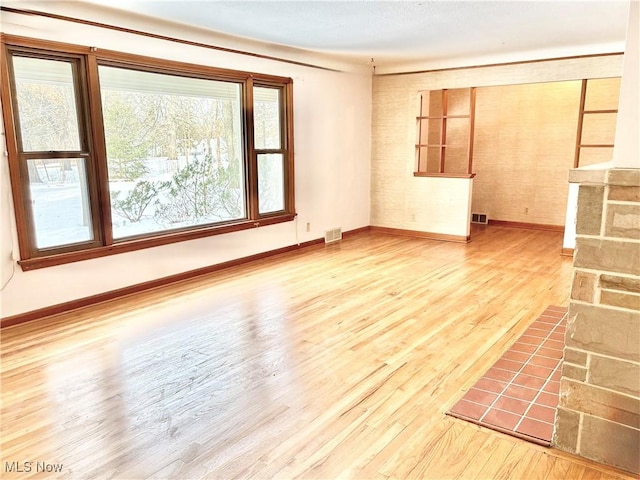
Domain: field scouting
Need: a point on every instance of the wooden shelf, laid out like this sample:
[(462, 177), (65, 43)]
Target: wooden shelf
[(595, 97), (439, 145), (445, 113), (444, 175), (441, 117), (599, 111)]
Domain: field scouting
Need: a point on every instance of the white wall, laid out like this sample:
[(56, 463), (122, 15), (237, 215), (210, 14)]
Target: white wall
[(569, 239), (626, 153), (439, 205), (332, 128)]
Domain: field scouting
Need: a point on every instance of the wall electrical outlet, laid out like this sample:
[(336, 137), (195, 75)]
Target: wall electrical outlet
[(308, 226)]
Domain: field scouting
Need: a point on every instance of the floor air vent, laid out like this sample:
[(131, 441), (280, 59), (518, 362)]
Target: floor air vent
[(479, 218), (332, 235)]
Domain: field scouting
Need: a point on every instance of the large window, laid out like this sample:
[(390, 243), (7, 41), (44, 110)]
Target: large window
[(174, 151), (111, 152)]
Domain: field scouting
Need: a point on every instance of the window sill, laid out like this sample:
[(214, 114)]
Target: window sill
[(149, 242), (444, 175)]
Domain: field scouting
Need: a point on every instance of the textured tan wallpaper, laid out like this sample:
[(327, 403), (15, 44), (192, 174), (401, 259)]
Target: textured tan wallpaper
[(524, 147)]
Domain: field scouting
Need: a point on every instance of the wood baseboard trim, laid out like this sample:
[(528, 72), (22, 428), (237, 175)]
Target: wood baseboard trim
[(567, 252), (528, 226), (159, 282), (419, 234), (355, 231)]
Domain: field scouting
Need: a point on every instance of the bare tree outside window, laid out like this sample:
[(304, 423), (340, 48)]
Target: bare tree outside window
[(46, 99), (174, 151)]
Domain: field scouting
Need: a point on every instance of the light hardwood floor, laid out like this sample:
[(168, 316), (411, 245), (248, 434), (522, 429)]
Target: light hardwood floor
[(330, 362)]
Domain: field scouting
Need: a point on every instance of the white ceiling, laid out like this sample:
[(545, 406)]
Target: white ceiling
[(395, 32), (400, 34)]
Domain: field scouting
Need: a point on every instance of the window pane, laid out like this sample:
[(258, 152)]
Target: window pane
[(266, 111), (174, 150), (270, 183), (60, 202), (46, 104)]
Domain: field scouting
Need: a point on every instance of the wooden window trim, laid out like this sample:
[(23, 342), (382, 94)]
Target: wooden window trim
[(128, 59), (18, 158), (139, 244), (286, 144), (12, 146), (97, 130), (94, 136)]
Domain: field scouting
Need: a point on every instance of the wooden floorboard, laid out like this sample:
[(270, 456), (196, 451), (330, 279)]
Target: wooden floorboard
[(334, 361)]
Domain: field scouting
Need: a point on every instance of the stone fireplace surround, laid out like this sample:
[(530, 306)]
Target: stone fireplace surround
[(599, 412)]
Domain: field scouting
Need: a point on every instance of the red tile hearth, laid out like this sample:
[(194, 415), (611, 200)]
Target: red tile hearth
[(519, 394)]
